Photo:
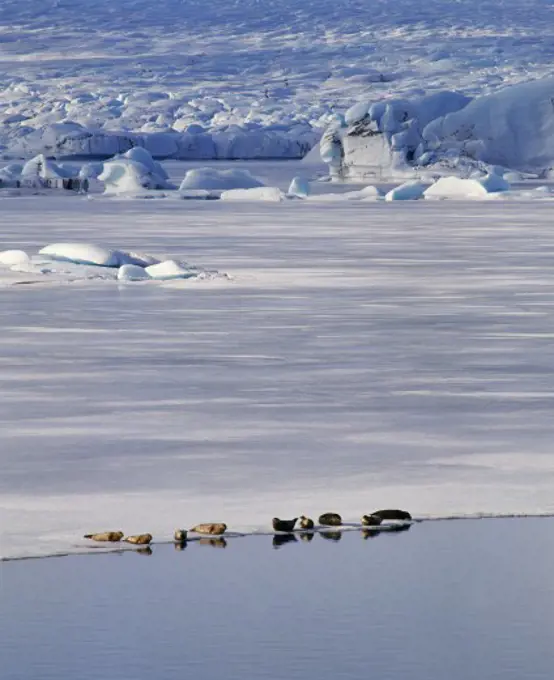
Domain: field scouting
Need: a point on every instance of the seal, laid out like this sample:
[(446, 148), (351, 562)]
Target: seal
[(371, 520), (286, 525), (180, 535), (392, 514), (108, 536), (330, 519), (215, 529), (306, 522), (139, 539)]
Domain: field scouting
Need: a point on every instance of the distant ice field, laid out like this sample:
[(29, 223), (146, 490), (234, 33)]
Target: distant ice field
[(359, 355), (229, 67)]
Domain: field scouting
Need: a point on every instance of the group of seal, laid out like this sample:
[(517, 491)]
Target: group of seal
[(180, 535), (333, 519), (285, 526), (116, 536)]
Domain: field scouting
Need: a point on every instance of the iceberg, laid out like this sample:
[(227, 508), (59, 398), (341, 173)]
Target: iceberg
[(127, 175), (444, 132)]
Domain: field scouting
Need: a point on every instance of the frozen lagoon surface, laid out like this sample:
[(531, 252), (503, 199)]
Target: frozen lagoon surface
[(456, 600), (357, 355)]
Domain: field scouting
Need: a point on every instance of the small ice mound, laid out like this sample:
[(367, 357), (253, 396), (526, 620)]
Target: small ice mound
[(409, 191), (41, 172), (81, 253), (271, 194), (211, 179), (299, 187), (126, 176), (169, 269), (13, 257), (458, 188), (370, 193), (132, 272)]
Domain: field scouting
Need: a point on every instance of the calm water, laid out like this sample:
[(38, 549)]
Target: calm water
[(445, 600)]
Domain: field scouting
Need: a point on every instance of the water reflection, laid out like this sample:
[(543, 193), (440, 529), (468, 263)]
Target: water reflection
[(144, 551), (180, 546), (283, 539), (214, 542), (307, 537), (331, 535)]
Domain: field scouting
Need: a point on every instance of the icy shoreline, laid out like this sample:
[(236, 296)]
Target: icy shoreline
[(235, 534)]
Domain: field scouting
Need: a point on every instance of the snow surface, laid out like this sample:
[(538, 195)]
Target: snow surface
[(361, 354)]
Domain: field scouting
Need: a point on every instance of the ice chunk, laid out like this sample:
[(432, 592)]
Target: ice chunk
[(356, 113), (81, 253), (299, 187), (409, 191), (132, 272), (10, 175), (13, 257), (370, 193), (455, 187), (494, 183), (126, 176), (211, 179), (259, 194), (141, 155), (169, 269)]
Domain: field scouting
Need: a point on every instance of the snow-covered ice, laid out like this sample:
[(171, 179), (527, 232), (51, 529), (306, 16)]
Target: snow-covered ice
[(339, 352), (360, 354)]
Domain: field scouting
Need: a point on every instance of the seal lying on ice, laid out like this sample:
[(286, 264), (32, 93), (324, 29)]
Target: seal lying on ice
[(306, 522), (139, 539), (286, 525), (215, 529), (331, 519), (107, 536), (392, 514)]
